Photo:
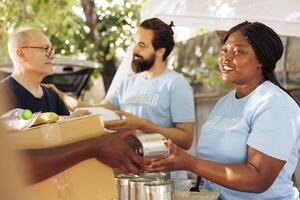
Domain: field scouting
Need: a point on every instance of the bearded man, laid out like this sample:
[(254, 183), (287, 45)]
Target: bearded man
[(160, 99), (155, 99)]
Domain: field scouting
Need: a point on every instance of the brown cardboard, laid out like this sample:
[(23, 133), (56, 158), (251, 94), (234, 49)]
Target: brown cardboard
[(88, 180), (59, 133)]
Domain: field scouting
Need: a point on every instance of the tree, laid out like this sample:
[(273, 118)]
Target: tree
[(111, 27), (93, 29)]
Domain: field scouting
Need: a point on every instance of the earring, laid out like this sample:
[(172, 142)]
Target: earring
[(260, 65)]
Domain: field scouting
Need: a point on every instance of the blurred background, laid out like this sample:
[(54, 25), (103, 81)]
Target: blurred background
[(92, 37)]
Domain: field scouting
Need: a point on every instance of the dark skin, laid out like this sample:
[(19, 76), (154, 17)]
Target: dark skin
[(256, 175), (31, 66), (109, 149), (239, 65), (182, 133)]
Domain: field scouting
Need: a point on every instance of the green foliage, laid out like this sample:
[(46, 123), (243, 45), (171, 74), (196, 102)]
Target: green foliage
[(210, 73), (116, 25), (207, 74), (55, 18), (63, 21)]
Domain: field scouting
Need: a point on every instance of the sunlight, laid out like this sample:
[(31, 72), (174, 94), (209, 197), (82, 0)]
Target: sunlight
[(79, 12)]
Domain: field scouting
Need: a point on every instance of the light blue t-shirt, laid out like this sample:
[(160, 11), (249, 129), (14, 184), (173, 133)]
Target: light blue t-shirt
[(162, 100), (268, 120)]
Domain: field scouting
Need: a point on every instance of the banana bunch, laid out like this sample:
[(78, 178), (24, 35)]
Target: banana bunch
[(46, 118)]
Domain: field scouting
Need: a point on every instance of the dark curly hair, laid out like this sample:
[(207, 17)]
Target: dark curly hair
[(162, 34)]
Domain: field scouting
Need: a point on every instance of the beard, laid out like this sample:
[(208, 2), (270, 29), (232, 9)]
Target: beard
[(140, 64)]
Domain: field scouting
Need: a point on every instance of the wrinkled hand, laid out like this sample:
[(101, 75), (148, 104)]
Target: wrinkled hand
[(177, 160), (130, 122), (113, 151), (69, 101)]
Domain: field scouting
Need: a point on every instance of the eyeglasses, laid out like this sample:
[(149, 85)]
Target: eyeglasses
[(48, 50)]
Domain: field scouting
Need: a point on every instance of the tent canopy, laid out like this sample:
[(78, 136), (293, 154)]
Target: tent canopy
[(283, 15)]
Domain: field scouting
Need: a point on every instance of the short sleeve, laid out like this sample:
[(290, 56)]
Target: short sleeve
[(182, 102), (114, 96), (274, 133)]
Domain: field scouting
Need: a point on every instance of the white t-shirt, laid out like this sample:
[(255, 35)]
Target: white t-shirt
[(268, 120)]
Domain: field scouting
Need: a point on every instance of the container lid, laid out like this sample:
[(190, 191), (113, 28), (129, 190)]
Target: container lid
[(123, 179), (139, 183), (126, 176), (155, 176)]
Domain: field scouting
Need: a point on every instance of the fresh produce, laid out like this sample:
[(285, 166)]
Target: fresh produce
[(46, 118)]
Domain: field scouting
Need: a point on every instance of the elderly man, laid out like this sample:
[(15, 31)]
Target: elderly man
[(32, 55)]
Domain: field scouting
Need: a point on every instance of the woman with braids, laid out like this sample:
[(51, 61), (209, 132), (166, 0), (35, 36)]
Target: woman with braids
[(248, 148)]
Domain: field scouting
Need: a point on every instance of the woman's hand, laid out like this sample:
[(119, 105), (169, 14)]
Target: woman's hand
[(177, 160), (127, 122)]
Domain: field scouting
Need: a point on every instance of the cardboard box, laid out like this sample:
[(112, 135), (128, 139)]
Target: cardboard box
[(59, 133), (88, 180)]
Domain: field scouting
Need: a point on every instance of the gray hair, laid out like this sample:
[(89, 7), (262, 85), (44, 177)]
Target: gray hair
[(18, 39)]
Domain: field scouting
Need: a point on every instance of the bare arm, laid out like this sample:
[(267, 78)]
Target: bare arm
[(256, 175), (182, 134), (107, 104), (44, 163), (73, 103)]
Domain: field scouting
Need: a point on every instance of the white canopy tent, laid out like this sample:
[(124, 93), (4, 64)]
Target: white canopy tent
[(282, 15)]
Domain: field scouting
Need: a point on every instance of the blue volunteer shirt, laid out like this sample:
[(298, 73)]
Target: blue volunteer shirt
[(163, 100), (268, 120)]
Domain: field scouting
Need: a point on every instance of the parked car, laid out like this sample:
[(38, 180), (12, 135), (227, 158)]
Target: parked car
[(70, 75)]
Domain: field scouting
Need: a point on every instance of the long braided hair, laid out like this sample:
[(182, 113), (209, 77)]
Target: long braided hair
[(267, 46)]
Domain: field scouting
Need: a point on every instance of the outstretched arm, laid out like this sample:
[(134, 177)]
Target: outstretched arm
[(73, 103), (182, 134), (255, 175), (108, 148)]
